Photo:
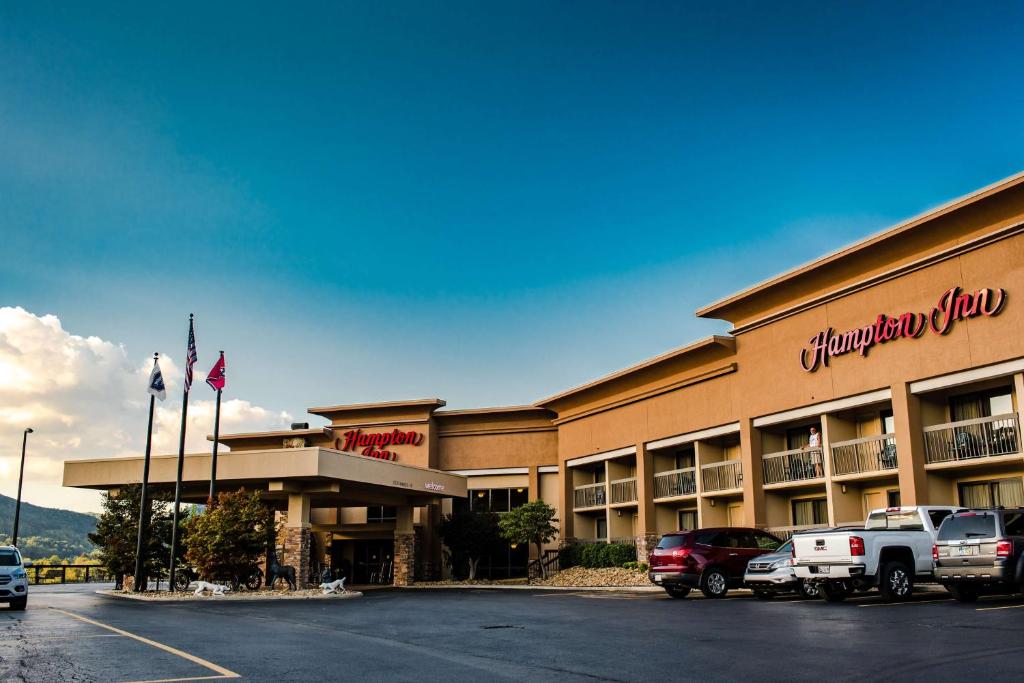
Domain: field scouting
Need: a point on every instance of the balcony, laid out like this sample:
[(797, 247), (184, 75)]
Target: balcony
[(589, 496), (623, 490), (798, 464), (675, 483), (865, 455), (721, 476), (983, 437)]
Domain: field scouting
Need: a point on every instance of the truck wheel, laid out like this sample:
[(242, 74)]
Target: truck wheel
[(896, 583), (835, 591), (677, 592), (963, 593), (809, 589), (19, 604), (714, 584)]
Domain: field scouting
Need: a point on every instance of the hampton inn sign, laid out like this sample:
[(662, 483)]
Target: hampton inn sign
[(374, 445), (953, 305)]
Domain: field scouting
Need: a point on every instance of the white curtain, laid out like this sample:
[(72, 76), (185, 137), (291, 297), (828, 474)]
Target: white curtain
[(1010, 493)]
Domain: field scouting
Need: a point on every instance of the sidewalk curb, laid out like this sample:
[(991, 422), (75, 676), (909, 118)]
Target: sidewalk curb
[(573, 589)]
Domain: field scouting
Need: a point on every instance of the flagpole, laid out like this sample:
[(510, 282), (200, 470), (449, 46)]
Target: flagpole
[(181, 466), (143, 497), (213, 460)]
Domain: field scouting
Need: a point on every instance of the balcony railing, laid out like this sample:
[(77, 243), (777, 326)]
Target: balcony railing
[(589, 496), (868, 454), (721, 476), (675, 483), (795, 465), (623, 490), (983, 437), (786, 532)]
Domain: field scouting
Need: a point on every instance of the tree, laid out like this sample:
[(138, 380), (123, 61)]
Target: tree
[(470, 536), (228, 540), (117, 531), (530, 523)]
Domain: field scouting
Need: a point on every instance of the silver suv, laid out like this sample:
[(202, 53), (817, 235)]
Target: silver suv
[(13, 578), (981, 551), (773, 573)]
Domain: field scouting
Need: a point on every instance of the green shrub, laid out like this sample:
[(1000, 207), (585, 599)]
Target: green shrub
[(592, 555), (570, 556), (617, 554), (597, 555)]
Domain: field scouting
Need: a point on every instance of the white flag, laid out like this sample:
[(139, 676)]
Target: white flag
[(156, 382)]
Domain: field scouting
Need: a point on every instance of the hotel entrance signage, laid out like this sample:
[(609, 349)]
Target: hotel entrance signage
[(374, 445), (952, 306)]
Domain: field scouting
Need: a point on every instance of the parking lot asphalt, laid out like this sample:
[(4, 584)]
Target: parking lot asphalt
[(72, 634)]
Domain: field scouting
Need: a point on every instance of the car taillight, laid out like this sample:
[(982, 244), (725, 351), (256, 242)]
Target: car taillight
[(856, 545), (935, 553), (1004, 548)]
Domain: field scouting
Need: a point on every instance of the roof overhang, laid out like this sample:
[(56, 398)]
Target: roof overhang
[(336, 477)]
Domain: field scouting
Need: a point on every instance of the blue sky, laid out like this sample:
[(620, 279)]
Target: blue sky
[(486, 202)]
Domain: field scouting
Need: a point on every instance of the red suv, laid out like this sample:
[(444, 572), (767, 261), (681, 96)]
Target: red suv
[(713, 560)]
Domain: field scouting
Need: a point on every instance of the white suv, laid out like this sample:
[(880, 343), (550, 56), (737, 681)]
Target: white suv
[(13, 579)]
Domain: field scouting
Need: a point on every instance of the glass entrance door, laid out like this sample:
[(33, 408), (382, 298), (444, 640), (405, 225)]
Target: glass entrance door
[(373, 561)]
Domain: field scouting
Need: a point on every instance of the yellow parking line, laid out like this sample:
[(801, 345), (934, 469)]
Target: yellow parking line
[(910, 602), (988, 609), (221, 671)]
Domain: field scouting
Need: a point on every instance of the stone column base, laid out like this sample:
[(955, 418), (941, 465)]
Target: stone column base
[(645, 544), (296, 553), (405, 558)]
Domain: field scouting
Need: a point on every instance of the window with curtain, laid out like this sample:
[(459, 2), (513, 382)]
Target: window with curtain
[(812, 511), (800, 437), (685, 457), (986, 494), (687, 519), (982, 404)]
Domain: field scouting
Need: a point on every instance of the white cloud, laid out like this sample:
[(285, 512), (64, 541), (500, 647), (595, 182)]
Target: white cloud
[(85, 397)]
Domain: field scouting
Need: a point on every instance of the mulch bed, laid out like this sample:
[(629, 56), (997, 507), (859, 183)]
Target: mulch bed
[(304, 594)]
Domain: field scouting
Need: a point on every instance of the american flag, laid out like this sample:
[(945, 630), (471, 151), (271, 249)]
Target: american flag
[(190, 355)]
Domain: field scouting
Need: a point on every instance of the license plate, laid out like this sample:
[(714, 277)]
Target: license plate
[(658, 578), (967, 550), (821, 569)]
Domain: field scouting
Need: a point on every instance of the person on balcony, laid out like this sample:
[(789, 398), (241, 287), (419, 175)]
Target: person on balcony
[(814, 445)]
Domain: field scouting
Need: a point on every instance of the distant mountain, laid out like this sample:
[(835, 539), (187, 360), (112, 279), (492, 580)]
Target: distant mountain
[(46, 532)]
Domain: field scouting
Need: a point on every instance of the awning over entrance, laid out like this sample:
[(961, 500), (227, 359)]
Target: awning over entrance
[(328, 477)]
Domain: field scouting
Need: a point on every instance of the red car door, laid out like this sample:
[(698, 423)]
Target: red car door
[(745, 550)]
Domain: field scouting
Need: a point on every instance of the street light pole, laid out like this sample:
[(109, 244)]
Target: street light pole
[(21, 478)]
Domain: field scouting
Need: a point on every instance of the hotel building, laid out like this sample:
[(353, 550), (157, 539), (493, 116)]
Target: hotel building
[(903, 353)]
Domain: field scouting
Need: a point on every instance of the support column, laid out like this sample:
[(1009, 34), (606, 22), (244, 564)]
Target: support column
[(533, 493), (906, 412), (405, 547), (843, 508), (647, 519), (297, 538), (565, 503), (1018, 392), (754, 507)]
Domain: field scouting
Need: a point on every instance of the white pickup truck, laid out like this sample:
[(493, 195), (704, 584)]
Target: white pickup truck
[(892, 550)]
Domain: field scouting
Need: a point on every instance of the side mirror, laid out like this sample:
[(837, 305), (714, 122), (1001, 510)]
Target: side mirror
[(28, 565)]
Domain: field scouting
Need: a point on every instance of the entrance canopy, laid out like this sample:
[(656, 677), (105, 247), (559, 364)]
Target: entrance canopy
[(328, 477)]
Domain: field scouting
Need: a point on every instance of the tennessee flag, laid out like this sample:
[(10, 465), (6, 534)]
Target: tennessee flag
[(217, 378), (156, 382)]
